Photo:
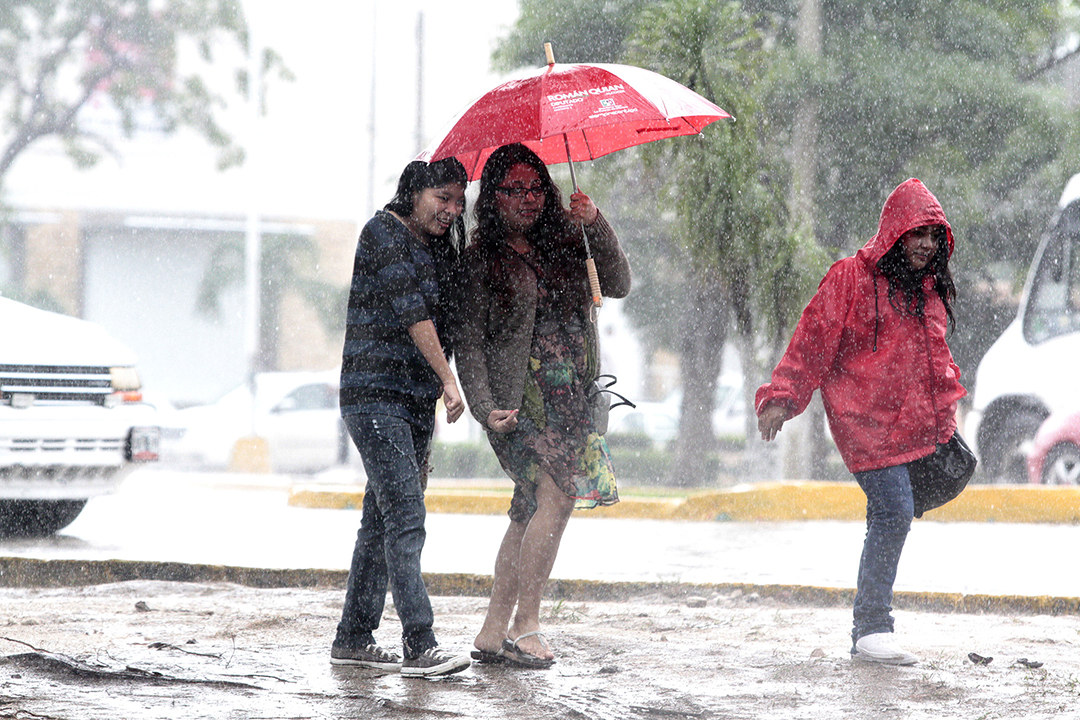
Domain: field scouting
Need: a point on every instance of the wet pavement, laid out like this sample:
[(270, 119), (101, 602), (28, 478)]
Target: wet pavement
[(148, 650), (668, 632)]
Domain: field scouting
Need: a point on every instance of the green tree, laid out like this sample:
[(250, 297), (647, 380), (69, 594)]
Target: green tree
[(89, 72), (703, 218), (951, 92), (56, 56), (581, 31), (738, 257)]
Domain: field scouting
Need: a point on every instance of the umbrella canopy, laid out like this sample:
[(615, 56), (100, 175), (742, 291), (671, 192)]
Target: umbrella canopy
[(573, 113)]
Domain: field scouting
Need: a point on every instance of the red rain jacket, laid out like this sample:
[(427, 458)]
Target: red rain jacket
[(888, 380)]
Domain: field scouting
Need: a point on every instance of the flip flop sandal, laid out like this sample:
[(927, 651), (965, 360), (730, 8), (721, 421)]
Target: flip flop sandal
[(511, 653), (487, 658)]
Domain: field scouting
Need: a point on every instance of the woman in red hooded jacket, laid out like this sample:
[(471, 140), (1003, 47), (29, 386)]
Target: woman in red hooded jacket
[(872, 339)]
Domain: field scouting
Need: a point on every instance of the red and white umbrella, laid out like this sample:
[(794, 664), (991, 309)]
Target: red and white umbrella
[(568, 113)]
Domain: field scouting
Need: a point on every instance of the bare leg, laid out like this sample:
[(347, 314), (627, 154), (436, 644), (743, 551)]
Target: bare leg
[(539, 546), (504, 590)]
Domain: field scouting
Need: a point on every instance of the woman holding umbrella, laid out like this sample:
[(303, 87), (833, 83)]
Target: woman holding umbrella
[(394, 368), (527, 356)]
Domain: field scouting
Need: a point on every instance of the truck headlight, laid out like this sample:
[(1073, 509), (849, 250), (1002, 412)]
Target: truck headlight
[(126, 386)]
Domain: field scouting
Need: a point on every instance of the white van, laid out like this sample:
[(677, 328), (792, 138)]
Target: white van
[(1032, 369), (72, 420)]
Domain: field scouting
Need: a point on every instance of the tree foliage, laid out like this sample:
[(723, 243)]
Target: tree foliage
[(712, 247), (59, 59), (935, 90), (954, 93), (581, 31), (739, 252)]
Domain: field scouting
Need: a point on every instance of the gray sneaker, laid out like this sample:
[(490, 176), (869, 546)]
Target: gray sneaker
[(371, 656), (434, 662)]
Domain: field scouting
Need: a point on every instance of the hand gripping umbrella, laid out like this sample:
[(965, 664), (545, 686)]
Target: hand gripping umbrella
[(573, 112)]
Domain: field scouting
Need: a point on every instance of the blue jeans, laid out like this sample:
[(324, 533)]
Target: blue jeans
[(889, 510), (393, 444)]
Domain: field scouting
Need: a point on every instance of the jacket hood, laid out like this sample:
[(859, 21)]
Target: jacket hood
[(909, 206)]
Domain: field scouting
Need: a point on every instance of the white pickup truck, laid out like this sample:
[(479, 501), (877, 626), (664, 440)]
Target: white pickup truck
[(72, 421)]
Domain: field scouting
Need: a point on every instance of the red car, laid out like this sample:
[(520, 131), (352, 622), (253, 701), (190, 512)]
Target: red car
[(1054, 458)]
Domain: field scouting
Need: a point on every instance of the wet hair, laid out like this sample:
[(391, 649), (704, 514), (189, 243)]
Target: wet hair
[(552, 227), (419, 176), (906, 284)]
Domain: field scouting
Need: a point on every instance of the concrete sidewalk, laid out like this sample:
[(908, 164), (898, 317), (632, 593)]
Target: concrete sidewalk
[(254, 524)]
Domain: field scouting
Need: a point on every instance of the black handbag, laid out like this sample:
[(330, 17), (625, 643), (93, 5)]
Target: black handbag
[(600, 404), (941, 476)]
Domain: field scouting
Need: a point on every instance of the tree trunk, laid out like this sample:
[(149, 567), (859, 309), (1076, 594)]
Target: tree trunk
[(704, 331), (806, 459)]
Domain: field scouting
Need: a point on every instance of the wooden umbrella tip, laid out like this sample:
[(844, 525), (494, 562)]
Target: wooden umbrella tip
[(549, 53)]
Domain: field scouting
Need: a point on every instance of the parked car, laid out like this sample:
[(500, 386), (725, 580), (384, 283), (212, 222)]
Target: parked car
[(729, 407), (1030, 371), (1054, 458), (651, 423), (72, 421), (295, 413)]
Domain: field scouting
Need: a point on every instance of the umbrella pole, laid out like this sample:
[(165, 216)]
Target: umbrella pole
[(590, 264)]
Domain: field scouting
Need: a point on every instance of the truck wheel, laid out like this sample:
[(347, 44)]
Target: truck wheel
[(36, 518), (1062, 465), (1005, 454)]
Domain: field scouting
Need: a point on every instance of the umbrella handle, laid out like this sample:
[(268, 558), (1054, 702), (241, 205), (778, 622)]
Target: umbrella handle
[(590, 264), (594, 282)]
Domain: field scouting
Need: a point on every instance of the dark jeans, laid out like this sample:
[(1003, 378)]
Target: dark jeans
[(393, 444), (889, 510)]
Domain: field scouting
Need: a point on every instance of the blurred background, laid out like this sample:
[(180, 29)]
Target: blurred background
[(193, 176)]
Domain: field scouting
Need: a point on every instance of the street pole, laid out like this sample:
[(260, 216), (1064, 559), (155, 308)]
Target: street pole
[(252, 236), (419, 81), (251, 453), (371, 116)]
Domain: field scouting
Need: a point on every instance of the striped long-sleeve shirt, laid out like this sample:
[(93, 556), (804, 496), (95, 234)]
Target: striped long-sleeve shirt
[(395, 284)]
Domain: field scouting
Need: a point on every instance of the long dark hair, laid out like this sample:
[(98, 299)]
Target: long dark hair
[(552, 228), (906, 284), (418, 176)]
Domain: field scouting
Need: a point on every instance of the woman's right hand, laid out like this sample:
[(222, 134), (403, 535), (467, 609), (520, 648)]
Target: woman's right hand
[(502, 421), (770, 421)]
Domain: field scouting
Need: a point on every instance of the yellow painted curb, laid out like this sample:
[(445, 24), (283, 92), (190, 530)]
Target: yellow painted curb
[(770, 501), (32, 572), (810, 500), (476, 502), (780, 501), (1016, 503)]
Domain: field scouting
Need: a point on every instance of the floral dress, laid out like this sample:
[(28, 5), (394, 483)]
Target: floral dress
[(555, 431)]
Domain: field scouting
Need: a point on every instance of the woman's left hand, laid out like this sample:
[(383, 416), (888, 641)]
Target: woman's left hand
[(453, 402), (582, 209)]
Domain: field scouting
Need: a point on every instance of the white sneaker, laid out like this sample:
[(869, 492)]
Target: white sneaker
[(880, 647)]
